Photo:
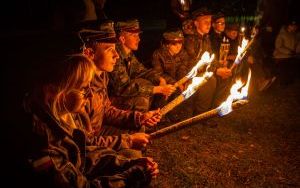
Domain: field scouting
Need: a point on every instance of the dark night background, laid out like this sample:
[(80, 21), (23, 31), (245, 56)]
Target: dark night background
[(30, 40)]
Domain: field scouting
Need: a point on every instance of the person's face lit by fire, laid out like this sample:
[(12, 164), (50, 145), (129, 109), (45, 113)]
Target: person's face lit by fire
[(76, 86), (106, 56), (129, 40), (174, 48), (202, 24), (76, 99), (219, 25), (232, 34)]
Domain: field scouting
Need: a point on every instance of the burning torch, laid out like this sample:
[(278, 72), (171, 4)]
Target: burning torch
[(205, 60), (242, 50), (238, 97), (237, 92), (241, 35), (192, 88)]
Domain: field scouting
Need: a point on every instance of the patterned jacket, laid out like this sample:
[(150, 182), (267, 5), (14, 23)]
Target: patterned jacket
[(62, 156), (172, 68), (126, 70), (101, 112), (216, 40), (195, 45)]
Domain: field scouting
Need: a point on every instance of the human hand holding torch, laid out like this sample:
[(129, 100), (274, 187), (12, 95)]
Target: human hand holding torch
[(205, 60)]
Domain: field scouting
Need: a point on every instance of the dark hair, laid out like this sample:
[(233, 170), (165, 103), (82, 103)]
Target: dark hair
[(166, 42)]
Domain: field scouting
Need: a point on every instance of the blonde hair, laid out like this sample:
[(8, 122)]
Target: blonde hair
[(72, 73)]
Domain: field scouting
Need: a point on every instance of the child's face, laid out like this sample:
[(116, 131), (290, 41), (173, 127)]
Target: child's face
[(76, 98), (203, 24), (130, 40), (219, 25), (175, 48), (232, 34), (106, 56)]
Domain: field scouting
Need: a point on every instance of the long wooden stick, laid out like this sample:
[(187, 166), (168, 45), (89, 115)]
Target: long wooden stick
[(178, 100), (181, 81), (193, 120)]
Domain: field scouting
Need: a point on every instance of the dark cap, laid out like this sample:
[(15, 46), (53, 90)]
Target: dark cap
[(131, 26), (104, 32), (232, 27), (174, 36), (217, 16), (203, 11)]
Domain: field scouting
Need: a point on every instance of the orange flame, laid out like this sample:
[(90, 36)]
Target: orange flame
[(241, 50), (205, 60), (196, 83), (226, 107)]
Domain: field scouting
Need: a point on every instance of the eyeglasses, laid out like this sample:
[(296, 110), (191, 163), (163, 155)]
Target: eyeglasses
[(87, 91), (220, 23)]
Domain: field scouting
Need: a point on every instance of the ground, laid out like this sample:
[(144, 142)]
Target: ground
[(254, 146)]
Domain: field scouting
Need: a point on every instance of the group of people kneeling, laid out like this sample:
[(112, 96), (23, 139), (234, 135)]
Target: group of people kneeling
[(91, 114)]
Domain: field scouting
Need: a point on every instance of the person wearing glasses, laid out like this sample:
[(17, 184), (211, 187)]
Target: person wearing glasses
[(223, 73), (216, 34), (62, 153)]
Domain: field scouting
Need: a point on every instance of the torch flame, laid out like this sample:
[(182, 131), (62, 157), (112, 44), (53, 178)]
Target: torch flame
[(205, 60), (243, 29), (226, 107), (241, 49), (196, 82)]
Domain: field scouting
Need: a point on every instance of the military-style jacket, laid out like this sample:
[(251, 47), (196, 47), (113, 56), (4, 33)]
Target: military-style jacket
[(125, 71), (195, 45), (233, 46), (171, 67), (62, 156), (101, 112), (216, 40)]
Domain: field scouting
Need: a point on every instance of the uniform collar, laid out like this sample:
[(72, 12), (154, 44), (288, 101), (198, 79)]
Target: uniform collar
[(122, 52)]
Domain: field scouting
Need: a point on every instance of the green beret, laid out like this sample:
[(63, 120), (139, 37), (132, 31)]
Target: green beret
[(131, 26), (173, 36), (201, 12), (101, 33)]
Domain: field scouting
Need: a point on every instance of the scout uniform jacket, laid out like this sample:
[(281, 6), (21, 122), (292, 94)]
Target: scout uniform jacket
[(127, 69), (172, 68), (62, 156), (100, 111), (195, 45)]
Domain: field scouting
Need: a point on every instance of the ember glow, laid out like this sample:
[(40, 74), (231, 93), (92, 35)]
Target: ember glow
[(237, 92)]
